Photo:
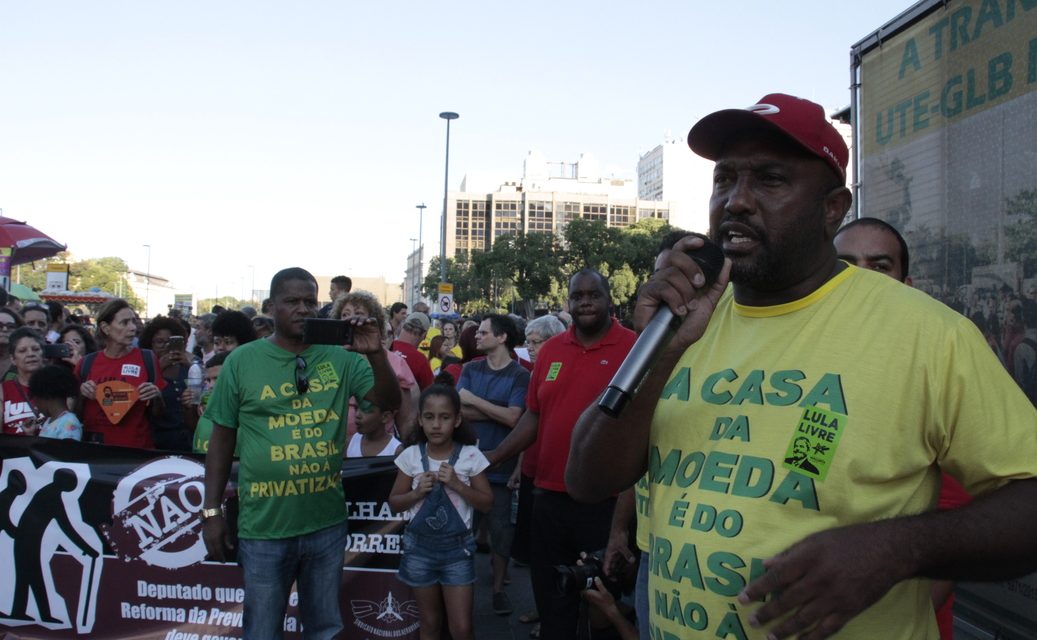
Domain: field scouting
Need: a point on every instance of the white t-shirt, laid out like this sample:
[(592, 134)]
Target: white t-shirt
[(470, 463), (353, 450)]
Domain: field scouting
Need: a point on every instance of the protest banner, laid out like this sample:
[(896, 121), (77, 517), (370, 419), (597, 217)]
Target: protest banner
[(105, 542)]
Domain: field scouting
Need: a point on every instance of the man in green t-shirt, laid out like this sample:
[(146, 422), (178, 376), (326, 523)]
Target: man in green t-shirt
[(283, 404)]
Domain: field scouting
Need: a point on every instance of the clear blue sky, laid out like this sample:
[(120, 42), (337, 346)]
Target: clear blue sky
[(228, 134)]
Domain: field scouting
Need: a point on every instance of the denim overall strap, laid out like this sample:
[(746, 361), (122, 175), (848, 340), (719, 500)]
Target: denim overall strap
[(437, 521), (423, 448)]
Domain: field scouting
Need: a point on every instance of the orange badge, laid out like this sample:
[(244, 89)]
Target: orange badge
[(116, 397)]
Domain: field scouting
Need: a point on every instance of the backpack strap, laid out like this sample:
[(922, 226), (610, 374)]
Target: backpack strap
[(147, 354), (149, 363), (88, 361)]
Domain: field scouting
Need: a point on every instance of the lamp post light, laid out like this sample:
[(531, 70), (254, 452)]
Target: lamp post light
[(448, 116), (147, 285)]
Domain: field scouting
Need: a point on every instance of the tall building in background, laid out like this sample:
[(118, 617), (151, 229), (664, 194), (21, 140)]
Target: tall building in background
[(156, 293), (412, 279), (385, 292), (545, 199), (671, 172)]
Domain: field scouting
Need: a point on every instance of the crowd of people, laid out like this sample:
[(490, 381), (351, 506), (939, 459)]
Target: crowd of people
[(129, 377), (787, 447)]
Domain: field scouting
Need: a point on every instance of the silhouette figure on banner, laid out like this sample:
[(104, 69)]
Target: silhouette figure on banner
[(31, 558)]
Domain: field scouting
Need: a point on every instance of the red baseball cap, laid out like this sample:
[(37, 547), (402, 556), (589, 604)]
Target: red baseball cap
[(801, 120)]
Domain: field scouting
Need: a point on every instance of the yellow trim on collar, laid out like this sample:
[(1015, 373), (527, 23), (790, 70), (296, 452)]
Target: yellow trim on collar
[(795, 305)]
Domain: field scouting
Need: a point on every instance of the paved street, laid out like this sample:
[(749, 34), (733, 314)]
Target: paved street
[(489, 626)]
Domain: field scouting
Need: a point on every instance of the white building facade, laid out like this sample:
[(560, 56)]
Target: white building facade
[(545, 199), (672, 173)]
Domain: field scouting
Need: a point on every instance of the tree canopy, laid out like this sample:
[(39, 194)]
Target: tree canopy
[(524, 272), (109, 274)]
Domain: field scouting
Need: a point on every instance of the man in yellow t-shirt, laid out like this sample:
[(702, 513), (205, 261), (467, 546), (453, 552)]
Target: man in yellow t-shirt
[(784, 365)]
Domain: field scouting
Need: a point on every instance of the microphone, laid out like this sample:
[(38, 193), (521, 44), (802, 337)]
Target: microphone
[(710, 258)]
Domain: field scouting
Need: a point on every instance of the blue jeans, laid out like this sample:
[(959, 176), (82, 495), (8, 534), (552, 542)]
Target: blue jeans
[(314, 562), (426, 563), (641, 605)]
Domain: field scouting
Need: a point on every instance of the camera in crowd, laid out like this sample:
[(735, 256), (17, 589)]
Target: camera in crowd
[(572, 579)]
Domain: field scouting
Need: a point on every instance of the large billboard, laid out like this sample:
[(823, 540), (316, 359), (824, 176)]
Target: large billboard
[(946, 136)]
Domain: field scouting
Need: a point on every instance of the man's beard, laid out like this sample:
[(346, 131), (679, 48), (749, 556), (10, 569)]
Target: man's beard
[(590, 327), (771, 269)]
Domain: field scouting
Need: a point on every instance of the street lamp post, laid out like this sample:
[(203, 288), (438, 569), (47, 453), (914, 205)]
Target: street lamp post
[(252, 293), (448, 116), (421, 223), (421, 251), (147, 285)]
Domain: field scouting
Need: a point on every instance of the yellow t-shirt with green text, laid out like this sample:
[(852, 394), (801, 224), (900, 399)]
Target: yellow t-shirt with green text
[(835, 409)]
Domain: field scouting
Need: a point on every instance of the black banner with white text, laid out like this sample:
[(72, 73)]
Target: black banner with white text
[(105, 542)]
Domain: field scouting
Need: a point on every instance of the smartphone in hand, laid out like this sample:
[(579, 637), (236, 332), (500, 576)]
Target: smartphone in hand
[(327, 331)]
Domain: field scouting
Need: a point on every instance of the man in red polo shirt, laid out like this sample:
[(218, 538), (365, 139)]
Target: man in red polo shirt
[(571, 370)]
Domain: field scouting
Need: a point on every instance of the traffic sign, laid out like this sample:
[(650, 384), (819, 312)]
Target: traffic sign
[(446, 297)]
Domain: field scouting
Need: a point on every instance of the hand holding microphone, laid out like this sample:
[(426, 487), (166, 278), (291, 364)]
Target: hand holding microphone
[(702, 256)]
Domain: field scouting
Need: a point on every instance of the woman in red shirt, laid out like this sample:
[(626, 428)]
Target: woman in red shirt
[(20, 414), (120, 361)]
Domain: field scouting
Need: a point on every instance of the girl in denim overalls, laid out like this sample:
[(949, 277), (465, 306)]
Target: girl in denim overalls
[(440, 480)]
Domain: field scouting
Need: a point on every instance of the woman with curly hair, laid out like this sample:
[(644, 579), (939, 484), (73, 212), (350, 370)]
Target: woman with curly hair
[(167, 337), (363, 303), (79, 339), (230, 330)]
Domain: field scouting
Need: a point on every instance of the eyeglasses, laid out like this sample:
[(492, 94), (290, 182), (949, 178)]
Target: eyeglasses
[(302, 383), (8, 326)]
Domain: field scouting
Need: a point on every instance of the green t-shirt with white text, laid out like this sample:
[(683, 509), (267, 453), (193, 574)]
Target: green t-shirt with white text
[(289, 444)]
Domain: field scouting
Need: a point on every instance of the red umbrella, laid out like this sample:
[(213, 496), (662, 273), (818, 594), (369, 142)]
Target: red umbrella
[(27, 242)]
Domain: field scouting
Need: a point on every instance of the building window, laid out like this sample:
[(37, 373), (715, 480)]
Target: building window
[(621, 216), (596, 212), (506, 208), (540, 216), (478, 234)]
